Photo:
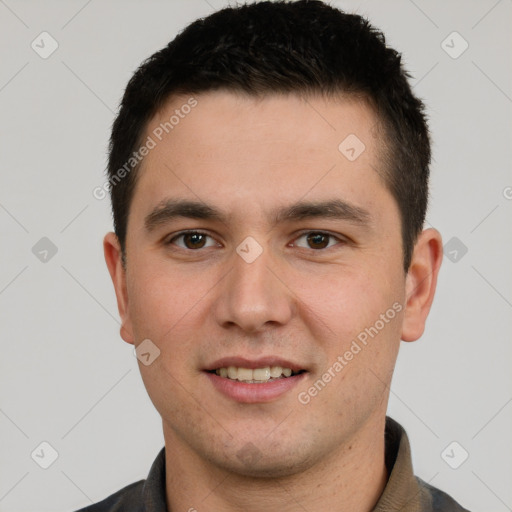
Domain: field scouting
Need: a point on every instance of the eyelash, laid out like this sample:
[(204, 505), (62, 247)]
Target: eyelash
[(302, 234)]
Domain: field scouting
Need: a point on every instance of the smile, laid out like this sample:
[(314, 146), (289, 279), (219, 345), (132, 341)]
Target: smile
[(264, 382), (256, 375)]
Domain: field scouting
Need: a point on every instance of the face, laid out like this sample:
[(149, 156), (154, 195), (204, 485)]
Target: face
[(290, 259)]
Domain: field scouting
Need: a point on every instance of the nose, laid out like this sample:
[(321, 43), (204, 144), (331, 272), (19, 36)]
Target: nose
[(254, 294)]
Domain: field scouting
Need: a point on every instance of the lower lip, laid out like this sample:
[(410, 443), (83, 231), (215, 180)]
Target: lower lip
[(254, 393)]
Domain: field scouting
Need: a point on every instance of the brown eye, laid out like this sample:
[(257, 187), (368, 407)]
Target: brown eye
[(191, 240), (194, 240), (319, 240)]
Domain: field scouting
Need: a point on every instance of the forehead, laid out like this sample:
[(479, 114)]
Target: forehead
[(247, 151), (286, 122)]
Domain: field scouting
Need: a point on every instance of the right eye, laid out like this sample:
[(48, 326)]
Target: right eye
[(192, 240)]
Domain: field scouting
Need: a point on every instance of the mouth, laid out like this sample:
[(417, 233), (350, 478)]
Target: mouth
[(256, 381), (256, 375)]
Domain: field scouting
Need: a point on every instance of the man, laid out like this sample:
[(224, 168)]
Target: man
[(269, 180)]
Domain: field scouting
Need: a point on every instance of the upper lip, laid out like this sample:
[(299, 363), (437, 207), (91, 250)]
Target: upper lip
[(262, 362)]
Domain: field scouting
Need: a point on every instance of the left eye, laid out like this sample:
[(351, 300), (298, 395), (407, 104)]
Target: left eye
[(318, 239)]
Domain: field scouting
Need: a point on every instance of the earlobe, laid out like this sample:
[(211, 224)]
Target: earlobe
[(113, 255), (421, 283)]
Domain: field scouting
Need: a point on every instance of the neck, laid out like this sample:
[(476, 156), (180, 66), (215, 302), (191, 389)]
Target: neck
[(351, 479)]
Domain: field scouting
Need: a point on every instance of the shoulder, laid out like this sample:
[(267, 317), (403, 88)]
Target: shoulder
[(127, 499), (440, 501), (138, 496)]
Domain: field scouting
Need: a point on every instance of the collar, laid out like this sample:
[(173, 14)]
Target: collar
[(403, 490)]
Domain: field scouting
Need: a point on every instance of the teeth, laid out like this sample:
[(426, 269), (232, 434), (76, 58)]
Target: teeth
[(256, 375), (275, 371), (259, 374), (244, 374)]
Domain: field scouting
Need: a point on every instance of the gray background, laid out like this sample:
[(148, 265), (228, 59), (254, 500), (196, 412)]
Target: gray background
[(68, 379)]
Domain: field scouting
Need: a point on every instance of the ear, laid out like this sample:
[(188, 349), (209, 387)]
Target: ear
[(112, 251), (421, 282)]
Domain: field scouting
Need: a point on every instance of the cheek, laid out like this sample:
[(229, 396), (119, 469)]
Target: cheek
[(358, 317), (355, 300), (159, 300), (165, 311)]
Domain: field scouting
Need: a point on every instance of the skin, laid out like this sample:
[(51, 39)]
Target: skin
[(299, 301)]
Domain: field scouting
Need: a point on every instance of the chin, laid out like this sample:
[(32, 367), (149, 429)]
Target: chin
[(269, 462)]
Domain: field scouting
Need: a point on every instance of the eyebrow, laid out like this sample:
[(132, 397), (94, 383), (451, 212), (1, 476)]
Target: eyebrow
[(170, 209)]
